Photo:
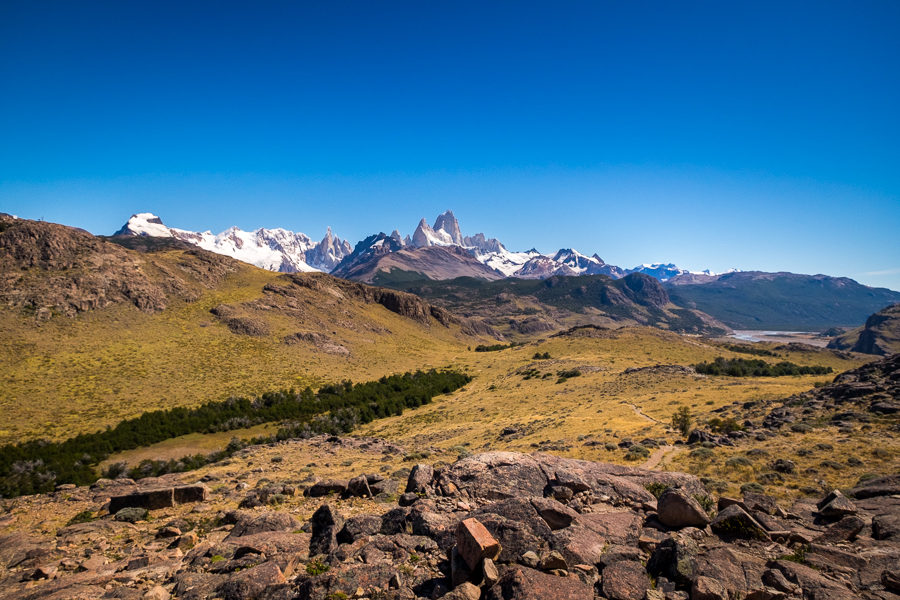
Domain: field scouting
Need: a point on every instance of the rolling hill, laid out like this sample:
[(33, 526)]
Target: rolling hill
[(92, 332)]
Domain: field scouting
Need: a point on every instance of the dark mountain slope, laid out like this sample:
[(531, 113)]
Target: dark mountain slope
[(783, 301), (429, 262), (525, 306)]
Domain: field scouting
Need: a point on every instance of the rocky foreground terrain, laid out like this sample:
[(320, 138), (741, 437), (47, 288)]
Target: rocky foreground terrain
[(499, 525)]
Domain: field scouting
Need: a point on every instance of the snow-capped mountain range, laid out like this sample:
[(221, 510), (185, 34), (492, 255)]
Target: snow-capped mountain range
[(273, 249), (289, 252)]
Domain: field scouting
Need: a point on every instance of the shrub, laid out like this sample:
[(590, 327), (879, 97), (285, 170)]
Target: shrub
[(316, 567), (115, 470), (85, 516), (682, 420), (701, 453), (738, 461), (725, 425), (752, 487), (656, 488), (705, 502), (882, 453), (714, 485), (637, 452)]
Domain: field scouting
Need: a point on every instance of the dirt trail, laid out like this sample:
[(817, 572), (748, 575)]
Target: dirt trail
[(657, 455), (641, 413)]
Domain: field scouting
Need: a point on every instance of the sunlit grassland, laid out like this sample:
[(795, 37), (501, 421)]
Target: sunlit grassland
[(72, 375), (578, 417)]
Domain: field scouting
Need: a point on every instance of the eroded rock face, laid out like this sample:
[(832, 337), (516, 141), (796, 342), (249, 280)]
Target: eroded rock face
[(502, 475)]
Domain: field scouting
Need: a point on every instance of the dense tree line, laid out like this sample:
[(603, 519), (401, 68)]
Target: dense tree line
[(746, 349), (38, 466), (494, 347), (742, 367)]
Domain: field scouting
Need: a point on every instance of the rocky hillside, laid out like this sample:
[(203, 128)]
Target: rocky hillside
[(492, 526), (880, 334), (526, 307), (50, 269), (93, 331)]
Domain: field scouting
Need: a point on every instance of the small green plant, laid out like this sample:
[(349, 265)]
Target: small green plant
[(539, 356), (316, 567), (798, 556), (705, 502), (217, 558), (569, 373), (881, 453), (85, 516), (656, 488)]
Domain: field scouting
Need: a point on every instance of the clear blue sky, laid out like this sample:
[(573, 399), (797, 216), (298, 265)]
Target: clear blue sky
[(760, 136)]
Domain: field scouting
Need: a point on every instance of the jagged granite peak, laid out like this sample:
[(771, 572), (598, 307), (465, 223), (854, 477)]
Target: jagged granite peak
[(287, 251), (425, 235), (328, 253), (395, 235), (484, 244), (447, 223)]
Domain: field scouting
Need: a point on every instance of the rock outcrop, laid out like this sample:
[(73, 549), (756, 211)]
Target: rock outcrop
[(490, 526), (880, 334)]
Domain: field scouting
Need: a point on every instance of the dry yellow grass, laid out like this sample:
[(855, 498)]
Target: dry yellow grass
[(68, 376), (74, 375)]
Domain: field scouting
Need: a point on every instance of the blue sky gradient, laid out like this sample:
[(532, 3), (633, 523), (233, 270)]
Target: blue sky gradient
[(760, 136)]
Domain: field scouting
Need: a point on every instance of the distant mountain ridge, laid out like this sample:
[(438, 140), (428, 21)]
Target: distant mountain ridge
[(782, 301), (287, 251), (272, 249)]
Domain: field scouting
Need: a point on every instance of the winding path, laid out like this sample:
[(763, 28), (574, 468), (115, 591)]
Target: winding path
[(657, 455), (641, 413)]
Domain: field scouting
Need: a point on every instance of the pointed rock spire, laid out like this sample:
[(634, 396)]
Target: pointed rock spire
[(447, 222)]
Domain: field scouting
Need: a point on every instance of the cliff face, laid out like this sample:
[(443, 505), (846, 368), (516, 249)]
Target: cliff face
[(880, 335)]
